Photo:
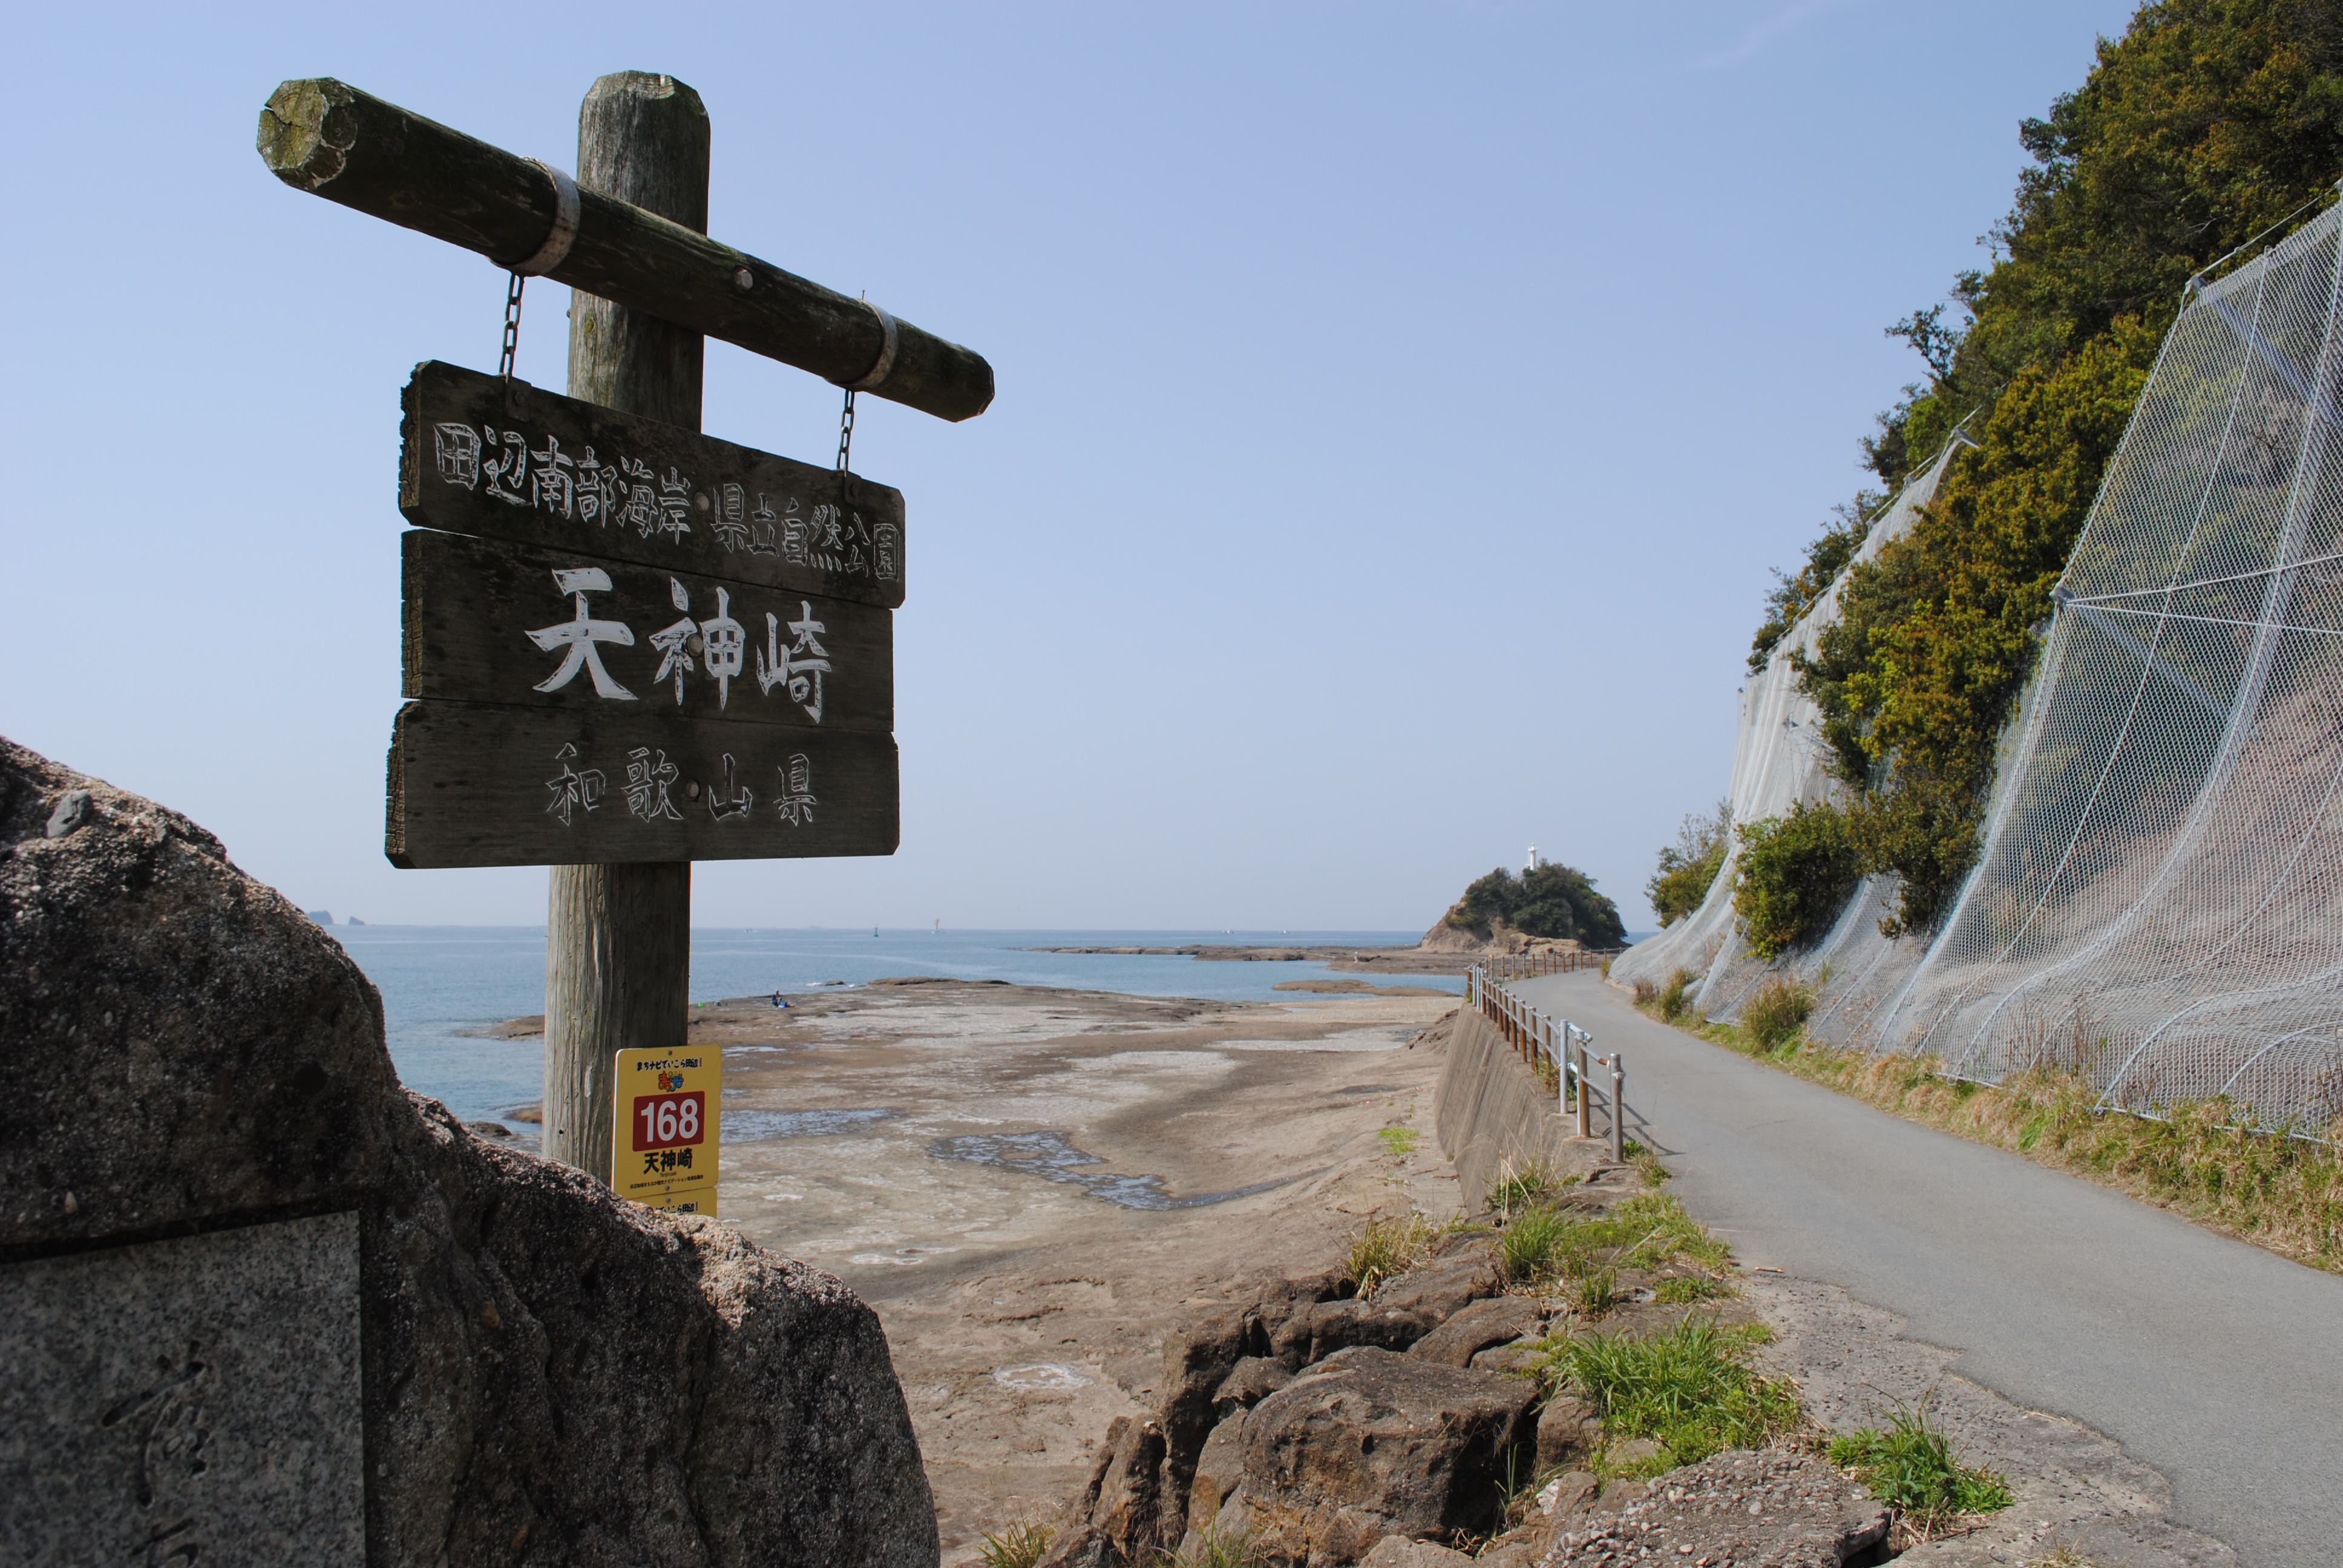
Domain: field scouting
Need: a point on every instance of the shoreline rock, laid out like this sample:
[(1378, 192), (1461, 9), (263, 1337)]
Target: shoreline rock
[(549, 1373)]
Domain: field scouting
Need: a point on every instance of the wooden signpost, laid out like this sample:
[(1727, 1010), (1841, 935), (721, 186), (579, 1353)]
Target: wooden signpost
[(627, 646)]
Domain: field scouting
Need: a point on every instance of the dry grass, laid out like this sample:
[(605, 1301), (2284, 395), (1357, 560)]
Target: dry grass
[(2203, 1160), (1386, 1249), (1676, 996), (1777, 1011), (1020, 1545)]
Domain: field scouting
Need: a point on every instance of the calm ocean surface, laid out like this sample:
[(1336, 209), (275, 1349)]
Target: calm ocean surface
[(438, 980)]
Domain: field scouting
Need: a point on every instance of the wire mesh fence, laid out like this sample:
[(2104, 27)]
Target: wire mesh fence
[(2159, 900), (1779, 758)]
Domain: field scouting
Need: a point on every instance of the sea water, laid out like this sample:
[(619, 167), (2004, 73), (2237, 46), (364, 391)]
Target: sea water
[(440, 981)]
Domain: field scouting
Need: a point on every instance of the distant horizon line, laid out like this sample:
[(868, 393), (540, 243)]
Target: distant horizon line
[(348, 924)]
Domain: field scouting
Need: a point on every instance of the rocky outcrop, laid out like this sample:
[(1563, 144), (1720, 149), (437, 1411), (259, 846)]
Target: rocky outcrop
[(1567, 1429), (1463, 1269), (1317, 1331), (1399, 1552), (1477, 1327), (1783, 1509), (1370, 1444), (1120, 1515), (550, 1375), (1236, 1436), (1452, 933)]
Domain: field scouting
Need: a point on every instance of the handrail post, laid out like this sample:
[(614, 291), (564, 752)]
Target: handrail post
[(1618, 1106), (1585, 1109)]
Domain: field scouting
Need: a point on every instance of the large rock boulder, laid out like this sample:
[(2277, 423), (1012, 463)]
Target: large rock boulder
[(1122, 1514), (547, 1374), (1368, 1443), (1252, 1379), (1317, 1331), (1439, 1290), (1198, 1359), (1476, 1327), (1568, 1428)]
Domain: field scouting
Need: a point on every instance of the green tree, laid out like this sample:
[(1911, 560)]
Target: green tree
[(1689, 866), (1550, 901), (1795, 873)]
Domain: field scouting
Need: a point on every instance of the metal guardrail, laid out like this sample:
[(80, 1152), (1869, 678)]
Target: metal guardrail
[(1534, 1037)]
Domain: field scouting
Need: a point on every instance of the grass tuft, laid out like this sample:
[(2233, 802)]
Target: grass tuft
[(1387, 1249), (2065, 1554), (1648, 1231), (1523, 1187), (1775, 1014), (1216, 1550), (1400, 1142), (1911, 1468), (1677, 1290), (1674, 997), (1536, 1245), (1596, 1292), (1694, 1390), (1018, 1546)]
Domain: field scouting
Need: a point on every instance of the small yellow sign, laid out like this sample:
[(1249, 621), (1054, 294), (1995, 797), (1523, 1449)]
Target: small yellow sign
[(666, 1118)]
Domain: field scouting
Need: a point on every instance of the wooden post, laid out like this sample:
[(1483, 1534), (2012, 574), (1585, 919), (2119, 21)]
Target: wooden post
[(618, 960)]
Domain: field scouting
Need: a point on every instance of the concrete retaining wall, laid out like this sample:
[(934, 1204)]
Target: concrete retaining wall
[(1491, 1110)]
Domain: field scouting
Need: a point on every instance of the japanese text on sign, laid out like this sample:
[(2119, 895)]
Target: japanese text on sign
[(665, 1131), (629, 495), (687, 648)]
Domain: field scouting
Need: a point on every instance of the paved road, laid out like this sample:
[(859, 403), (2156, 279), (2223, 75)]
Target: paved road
[(2216, 1363)]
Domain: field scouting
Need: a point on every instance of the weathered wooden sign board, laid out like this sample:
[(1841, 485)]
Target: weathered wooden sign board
[(488, 784), (545, 469), (625, 642), (599, 633)]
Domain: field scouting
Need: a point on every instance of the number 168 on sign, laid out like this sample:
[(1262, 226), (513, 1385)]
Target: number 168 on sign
[(666, 1123)]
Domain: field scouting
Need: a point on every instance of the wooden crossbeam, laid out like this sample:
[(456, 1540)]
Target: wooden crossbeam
[(326, 137)]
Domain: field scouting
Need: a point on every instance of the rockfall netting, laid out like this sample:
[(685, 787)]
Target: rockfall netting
[(2159, 900), (1779, 758)]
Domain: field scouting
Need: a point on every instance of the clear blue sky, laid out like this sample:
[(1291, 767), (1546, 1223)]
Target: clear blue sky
[(1399, 408)]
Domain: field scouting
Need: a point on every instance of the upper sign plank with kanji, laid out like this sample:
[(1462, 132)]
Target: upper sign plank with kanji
[(523, 464)]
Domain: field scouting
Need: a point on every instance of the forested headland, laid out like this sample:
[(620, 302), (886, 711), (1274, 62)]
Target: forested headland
[(2208, 128)]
